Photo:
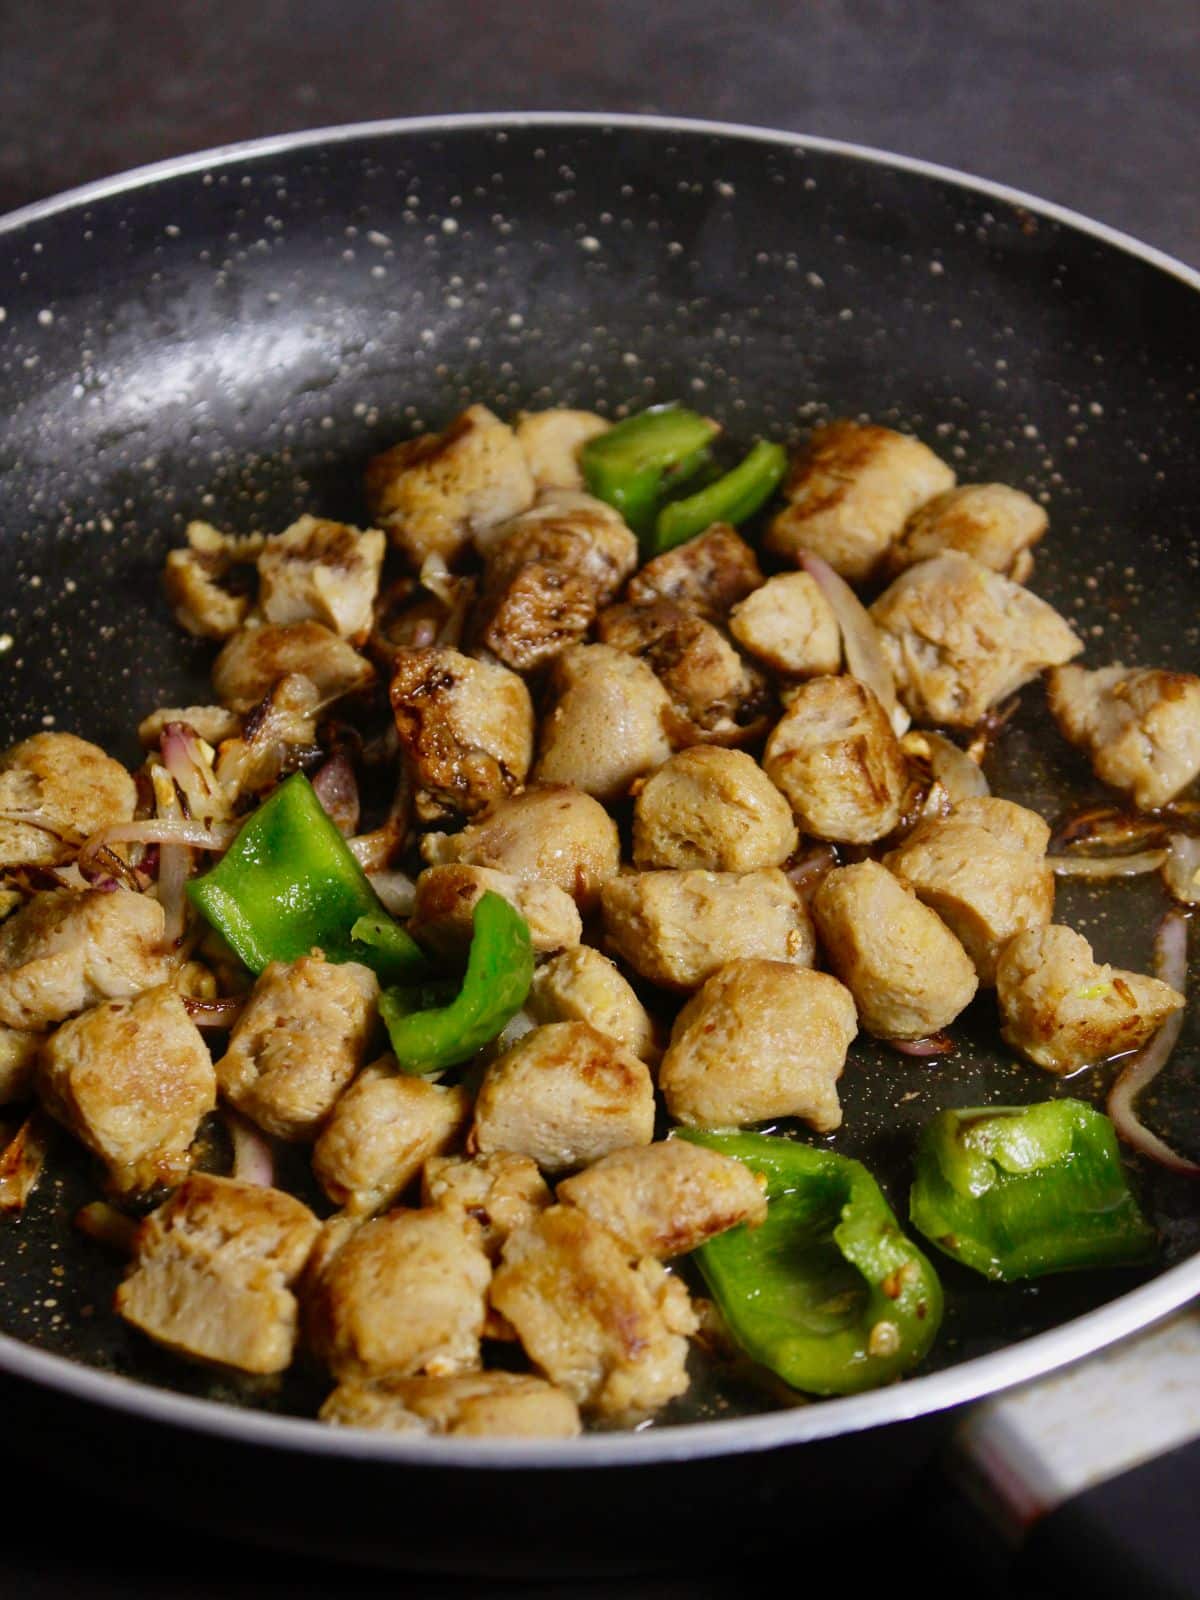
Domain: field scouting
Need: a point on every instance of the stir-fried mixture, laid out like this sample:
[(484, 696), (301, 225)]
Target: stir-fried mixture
[(542, 853)]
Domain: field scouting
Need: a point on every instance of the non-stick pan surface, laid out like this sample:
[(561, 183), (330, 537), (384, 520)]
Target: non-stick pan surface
[(231, 337)]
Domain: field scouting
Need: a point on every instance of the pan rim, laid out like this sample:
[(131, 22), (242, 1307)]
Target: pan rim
[(807, 1423)]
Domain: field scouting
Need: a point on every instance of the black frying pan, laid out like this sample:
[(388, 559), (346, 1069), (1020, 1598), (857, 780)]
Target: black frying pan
[(231, 337)]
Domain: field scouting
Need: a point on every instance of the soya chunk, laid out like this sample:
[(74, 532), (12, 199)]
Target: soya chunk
[(907, 972), (581, 985), (610, 1331), (495, 1194), (983, 870), (434, 493), (56, 790), (608, 724), (466, 728), (677, 928), (192, 579), (959, 638), (254, 661), (404, 1294), (565, 1095), (851, 491), (989, 521), (1064, 1010), (131, 1079), (789, 626), (68, 950), (762, 1039), (666, 1199), (712, 808), (552, 441), (381, 1133), (298, 1043), (835, 756), (707, 575), (1139, 726), (18, 1059), (550, 833), (563, 529), (478, 1405), (446, 898), (322, 571), (214, 1272)]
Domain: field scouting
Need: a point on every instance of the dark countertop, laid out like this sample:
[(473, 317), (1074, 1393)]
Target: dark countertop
[(1090, 103)]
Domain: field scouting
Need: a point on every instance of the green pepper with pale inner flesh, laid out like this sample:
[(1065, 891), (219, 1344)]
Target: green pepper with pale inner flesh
[(1020, 1191), (499, 973), (733, 498), (289, 884), (828, 1293)]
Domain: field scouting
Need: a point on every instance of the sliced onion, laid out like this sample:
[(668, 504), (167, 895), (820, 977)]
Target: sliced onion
[(189, 764), (108, 1226), (1170, 964), (253, 1157), (336, 788), (808, 873), (1107, 828), (937, 1044), (22, 1159), (865, 659), (1100, 868), (156, 830), (1181, 869), (958, 775), (396, 890), (220, 1013)]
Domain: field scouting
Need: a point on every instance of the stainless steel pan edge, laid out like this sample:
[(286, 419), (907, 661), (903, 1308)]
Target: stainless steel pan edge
[(806, 1423)]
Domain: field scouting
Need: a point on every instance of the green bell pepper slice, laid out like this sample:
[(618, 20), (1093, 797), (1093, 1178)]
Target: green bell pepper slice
[(827, 1293), (1020, 1191), (636, 461), (289, 884), (494, 987), (733, 498)]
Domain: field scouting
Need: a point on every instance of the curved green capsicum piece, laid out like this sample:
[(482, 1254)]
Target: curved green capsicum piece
[(494, 987), (732, 498), (1020, 1191), (289, 884), (828, 1293), (634, 462)]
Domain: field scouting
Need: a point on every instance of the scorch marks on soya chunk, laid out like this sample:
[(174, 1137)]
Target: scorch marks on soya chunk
[(56, 790), (478, 1405), (960, 637), (983, 870), (213, 1273), (850, 492), (1139, 726), (989, 521), (254, 660), (299, 1041), (1064, 1010), (67, 950), (666, 1199), (610, 1330), (466, 729), (707, 575)]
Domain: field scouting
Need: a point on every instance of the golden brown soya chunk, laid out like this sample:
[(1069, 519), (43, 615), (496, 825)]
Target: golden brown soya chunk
[(214, 1270), (789, 626), (466, 728), (1139, 726), (707, 575), (298, 1043), (322, 571), (56, 790), (608, 723), (1064, 1010), (495, 1194), (609, 1330), (713, 809), (403, 1294), (582, 985), (850, 492), (565, 1095), (552, 441), (835, 755), (550, 833), (131, 1079), (67, 950), (666, 1199), (572, 531), (960, 637), (983, 870), (433, 494), (678, 928), (447, 896), (254, 660), (907, 972), (380, 1134), (989, 521), (480, 1405), (762, 1039)]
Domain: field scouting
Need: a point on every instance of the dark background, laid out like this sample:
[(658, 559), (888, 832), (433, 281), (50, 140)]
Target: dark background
[(1091, 103)]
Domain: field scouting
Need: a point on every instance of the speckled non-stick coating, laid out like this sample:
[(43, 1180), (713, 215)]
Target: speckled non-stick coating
[(233, 342)]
